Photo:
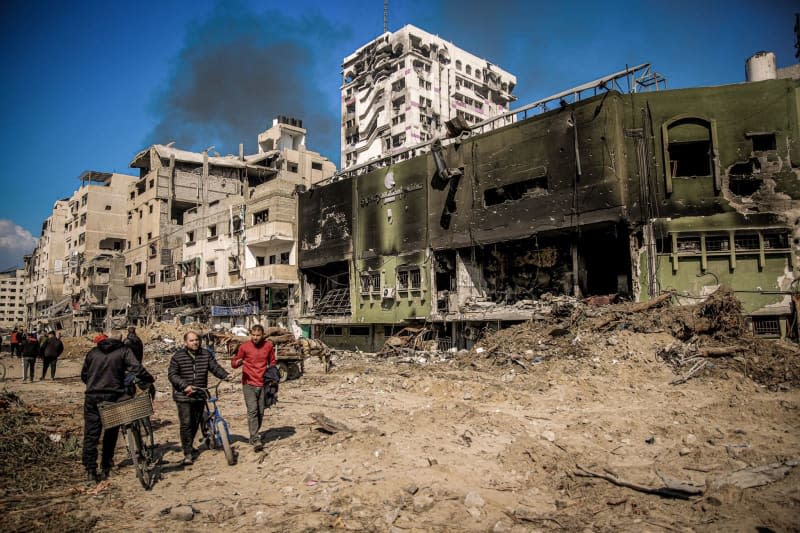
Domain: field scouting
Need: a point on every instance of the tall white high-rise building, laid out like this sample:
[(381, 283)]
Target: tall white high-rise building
[(399, 90), (12, 298)]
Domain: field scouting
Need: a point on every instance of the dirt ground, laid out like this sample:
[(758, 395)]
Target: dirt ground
[(468, 443)]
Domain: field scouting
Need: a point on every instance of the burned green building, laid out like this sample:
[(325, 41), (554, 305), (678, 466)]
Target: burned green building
[(632, 193)]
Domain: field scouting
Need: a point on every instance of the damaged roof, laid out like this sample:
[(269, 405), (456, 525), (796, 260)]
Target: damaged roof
[(141, 160)]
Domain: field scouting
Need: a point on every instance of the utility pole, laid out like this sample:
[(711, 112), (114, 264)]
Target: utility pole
[(385, 16)]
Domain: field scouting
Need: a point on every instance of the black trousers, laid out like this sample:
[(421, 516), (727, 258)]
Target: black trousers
[(93, 427), (190, 414), (49, 362)]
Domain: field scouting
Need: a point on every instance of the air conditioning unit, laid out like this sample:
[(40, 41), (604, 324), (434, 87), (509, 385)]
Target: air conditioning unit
[(388, 292)]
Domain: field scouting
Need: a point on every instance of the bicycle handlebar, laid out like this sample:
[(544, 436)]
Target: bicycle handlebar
[(207, 390)]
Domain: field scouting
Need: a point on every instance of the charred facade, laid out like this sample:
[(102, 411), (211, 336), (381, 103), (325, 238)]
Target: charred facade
[(632, 194)]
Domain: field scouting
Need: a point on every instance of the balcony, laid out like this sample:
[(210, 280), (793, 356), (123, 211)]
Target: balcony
[(270, 231), (165, 288), (278, 274)]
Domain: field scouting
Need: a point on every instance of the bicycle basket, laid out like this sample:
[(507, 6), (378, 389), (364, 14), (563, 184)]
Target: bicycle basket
[(117, 414)]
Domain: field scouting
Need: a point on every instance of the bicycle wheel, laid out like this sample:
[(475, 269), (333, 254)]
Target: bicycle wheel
[(148, 453), (226, 443), (135, 446)]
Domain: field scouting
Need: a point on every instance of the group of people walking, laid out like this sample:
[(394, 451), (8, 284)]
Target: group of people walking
[(113, 364), (30, 347)]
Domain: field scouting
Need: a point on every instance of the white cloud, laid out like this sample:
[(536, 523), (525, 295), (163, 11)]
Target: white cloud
[(15, 242)]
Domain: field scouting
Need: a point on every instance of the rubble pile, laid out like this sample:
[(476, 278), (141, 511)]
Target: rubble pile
[(709, 338), (39, 465)]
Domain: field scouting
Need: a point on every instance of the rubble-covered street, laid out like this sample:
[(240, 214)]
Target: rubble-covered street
[(577, 422)]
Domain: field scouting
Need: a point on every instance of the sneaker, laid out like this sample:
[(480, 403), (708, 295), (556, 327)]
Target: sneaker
[(104, 473), (187, 459), (195, 453), (91, 476)]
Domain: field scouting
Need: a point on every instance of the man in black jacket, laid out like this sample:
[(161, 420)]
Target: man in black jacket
[(135, 344), (103, 373), (30, 351), (53, 347), (188, 372)]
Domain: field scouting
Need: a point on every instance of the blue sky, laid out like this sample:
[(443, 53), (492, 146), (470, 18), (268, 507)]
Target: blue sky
[(88, 84)]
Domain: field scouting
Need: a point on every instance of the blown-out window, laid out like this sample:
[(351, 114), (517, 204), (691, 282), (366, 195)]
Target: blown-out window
[(689, 145)]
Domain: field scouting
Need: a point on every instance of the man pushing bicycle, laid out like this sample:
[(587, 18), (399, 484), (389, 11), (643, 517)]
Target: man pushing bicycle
[(103, 373), (188, 373)]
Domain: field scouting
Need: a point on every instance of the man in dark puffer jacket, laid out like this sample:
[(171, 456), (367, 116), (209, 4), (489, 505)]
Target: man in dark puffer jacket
[(188, 371), (104, 375)]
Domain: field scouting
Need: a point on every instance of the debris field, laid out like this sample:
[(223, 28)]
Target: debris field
[(621, 417)]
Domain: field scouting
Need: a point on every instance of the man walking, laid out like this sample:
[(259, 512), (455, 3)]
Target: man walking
[(16, 338), (255, 356), (103, 373), (53, 347), (30, 351), (188, 372), (135, 344)]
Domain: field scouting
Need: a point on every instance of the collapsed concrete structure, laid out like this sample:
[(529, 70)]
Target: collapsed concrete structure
[(633, 194), (76, 271), (216, 235)]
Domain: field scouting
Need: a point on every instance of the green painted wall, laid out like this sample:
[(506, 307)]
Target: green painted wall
[(390, 220)]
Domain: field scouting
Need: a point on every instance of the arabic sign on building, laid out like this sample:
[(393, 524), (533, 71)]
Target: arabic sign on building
[(238, 310)]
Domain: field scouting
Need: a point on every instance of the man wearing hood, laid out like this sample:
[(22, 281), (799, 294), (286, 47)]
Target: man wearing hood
[(103, 373)]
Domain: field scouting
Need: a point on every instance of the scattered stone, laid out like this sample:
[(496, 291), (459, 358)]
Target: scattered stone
[(320, 503), (183, 513), (423, 502), (690, 440), (467, 396), (684, 451), (501, 527), (475, 512), (261, 517), (473, 499), (549, 436), (391, 516), (237, 508), (650, 440), (411, 488)]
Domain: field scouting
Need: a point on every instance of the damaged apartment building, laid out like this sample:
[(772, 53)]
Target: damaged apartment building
[(77, 270), (399, 89), (215, 236), (598, 190)]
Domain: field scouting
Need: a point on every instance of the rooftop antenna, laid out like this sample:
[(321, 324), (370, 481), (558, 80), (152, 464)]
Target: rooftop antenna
[(385, 16)]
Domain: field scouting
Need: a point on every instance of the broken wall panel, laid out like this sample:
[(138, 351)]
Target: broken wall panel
[(325, 225), (720, 149), (554, 171)]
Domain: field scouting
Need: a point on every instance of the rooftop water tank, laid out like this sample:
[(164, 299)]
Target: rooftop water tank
[(760, 66)]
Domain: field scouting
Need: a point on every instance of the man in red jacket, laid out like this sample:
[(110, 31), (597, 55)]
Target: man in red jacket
[(255, 357)]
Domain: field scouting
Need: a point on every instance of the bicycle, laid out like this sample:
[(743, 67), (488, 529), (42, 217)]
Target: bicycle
[(133, 417), (214, 426)]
